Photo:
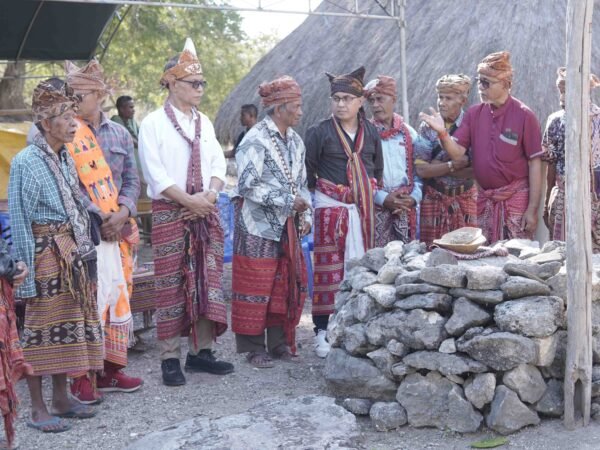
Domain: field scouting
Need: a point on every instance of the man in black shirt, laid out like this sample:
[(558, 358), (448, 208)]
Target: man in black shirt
[(344, 165)]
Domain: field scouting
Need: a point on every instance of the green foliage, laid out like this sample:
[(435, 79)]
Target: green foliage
[(149, 36), (490, 443)]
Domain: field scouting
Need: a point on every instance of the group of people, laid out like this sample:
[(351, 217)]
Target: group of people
[(355, 182)]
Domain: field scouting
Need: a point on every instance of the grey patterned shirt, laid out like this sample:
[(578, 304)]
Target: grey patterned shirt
[(262, 182)]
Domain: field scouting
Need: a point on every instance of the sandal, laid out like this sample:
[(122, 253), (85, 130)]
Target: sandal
[(52, 425), (260, 360), (77, 411), (282, 352)]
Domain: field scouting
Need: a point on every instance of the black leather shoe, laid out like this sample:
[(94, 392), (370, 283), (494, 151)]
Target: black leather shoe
[(171, 372), (205, 361)]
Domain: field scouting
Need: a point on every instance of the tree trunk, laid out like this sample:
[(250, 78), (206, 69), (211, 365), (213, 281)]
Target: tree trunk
[(11, 89), (578, 370)]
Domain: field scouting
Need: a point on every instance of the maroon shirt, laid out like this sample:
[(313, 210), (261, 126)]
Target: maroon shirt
[(502, 141)]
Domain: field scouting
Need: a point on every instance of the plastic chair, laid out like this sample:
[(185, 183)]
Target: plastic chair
[(309, 266), (5, 227)]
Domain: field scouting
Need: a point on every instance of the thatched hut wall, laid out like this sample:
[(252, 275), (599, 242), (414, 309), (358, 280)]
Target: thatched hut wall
[(442, 37)]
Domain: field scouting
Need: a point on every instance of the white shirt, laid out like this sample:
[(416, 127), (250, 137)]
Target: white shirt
[(165, 154)]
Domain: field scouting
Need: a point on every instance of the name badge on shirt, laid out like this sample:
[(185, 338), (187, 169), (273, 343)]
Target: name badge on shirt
[(509, 137)]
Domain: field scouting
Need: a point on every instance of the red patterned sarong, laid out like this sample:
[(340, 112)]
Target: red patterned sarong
[(188, 269), (395, 227), (500, 211), (441, 213), (330, 230), (12, 364), (269, 282)]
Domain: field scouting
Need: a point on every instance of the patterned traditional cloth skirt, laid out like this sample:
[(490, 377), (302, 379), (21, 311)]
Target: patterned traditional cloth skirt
[(262, 296), (62, 332), (178, 280), (442, 213), (12, 363), (556, 215), (500, 211), (394, 227)]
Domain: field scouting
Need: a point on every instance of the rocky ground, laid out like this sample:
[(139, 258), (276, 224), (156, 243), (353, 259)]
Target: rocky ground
[(123, 419)]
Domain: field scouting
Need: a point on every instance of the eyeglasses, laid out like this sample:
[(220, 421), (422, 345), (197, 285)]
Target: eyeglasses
[(196, 83), (346, 99), (485, 83)]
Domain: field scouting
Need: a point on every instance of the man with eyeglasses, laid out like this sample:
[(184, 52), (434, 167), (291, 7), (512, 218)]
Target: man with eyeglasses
[(395, 216), (450, 197), (184, 166), (504, 136), (344, 165)]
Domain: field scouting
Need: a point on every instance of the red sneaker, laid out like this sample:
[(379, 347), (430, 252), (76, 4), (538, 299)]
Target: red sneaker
[(117, 381), (83, 391)]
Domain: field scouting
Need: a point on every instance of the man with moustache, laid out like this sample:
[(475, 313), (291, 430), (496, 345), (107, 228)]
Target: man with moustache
[(344, 164), (504, 136)]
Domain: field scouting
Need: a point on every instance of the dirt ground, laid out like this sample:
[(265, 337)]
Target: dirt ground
[(124, 418)]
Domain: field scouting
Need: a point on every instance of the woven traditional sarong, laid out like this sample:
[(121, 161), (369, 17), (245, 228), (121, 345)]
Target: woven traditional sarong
[(395, 227), (557, 219), (269, 281), (12, 364), (441, 214), (188, 271), (62, 332), (500, 211), (330, 230)]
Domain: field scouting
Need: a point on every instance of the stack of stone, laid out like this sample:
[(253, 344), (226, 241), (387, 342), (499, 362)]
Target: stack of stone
[(429, 340)]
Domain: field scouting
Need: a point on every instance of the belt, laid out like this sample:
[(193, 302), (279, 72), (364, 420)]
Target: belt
[(451, 191)]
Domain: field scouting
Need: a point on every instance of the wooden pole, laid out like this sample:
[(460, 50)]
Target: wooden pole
[(578, 370), (403, 77)]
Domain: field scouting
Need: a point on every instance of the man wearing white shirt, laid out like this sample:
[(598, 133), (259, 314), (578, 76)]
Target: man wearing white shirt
[(185, 169)]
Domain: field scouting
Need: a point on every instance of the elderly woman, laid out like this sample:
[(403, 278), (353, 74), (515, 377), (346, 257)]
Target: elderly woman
[(51, 234), (12, 364)]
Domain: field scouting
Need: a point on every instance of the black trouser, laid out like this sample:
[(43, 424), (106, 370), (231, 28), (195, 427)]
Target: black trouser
[(320, 322)]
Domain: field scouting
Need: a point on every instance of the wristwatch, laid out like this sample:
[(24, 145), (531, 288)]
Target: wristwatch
[(450, 166), (214, 191)]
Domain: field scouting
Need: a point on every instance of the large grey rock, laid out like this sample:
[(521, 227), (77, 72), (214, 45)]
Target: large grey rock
[(529, 253), (480, 389), (357, 377), (374, 259), (550, 246), (400, 370), (394, 249), (517, 287), (485, 298), (530, 316), (425, 399), (417, 262), (407, 289), (549, 269), (448, 346), (341, 298), (485, 278), (552, 403), (384, 294), (557, 255), (355, 340), (383, 360), (416, 247), (445, 275), (526, 380), (362, 280), (557, 368), (387, 416), (358, 406), (270, 425), (366, 308), (390, 270), (444, 363), (524, 269), (558, 284), (417, 329), (439, 256), (499, 350), (408, 278), (354, 263), (466, 314), (436, 302), (496, 261), (339, 322), (545, 350), (508, 414), (462, 417), (397, 348)]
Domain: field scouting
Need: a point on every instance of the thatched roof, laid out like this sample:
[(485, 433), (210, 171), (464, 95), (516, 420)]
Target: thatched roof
[(442, 37)]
